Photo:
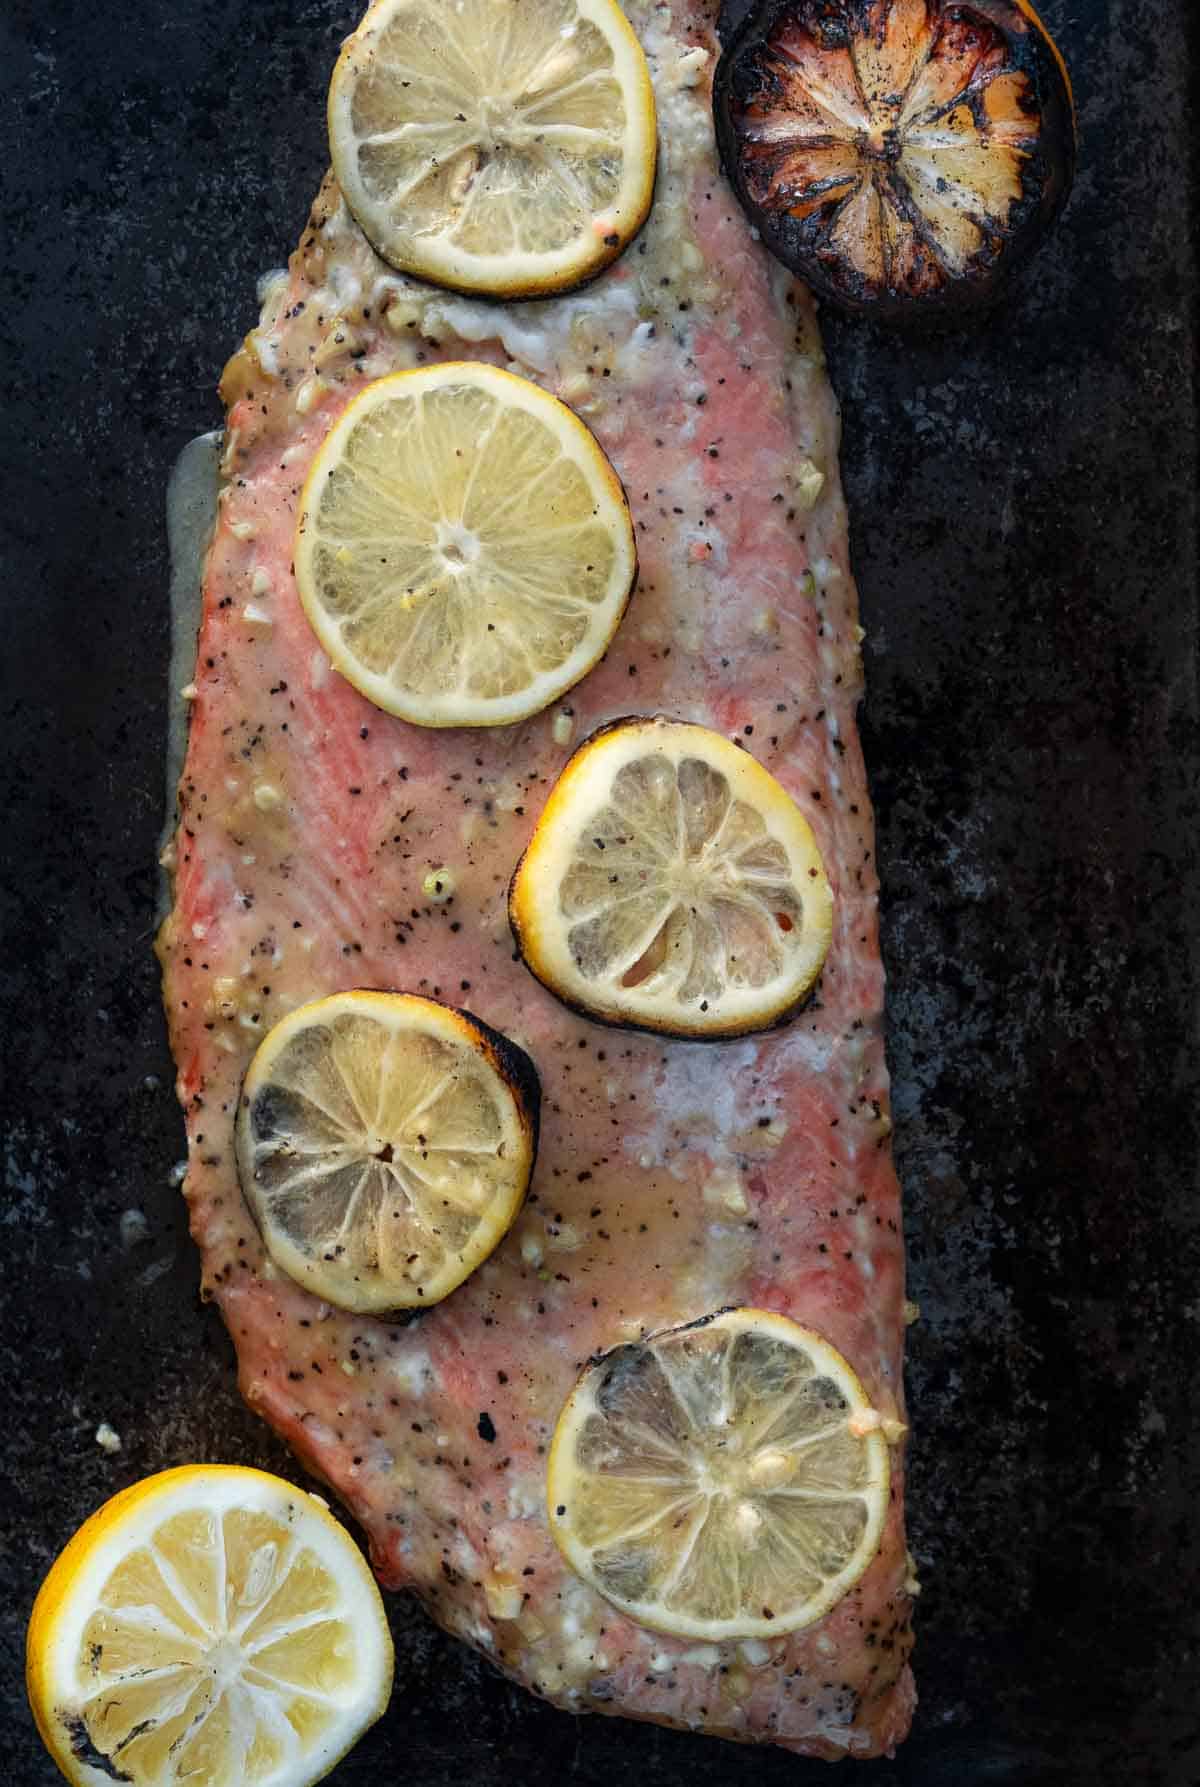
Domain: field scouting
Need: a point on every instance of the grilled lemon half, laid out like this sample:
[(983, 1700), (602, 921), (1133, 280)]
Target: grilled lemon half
[(902, 156)]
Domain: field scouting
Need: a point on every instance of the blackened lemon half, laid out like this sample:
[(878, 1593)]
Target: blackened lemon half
[(902, 156)]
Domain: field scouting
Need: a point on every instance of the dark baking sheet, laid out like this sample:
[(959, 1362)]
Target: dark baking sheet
[(1024, 528)]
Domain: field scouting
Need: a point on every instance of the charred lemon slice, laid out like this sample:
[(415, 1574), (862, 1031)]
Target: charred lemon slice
[(384, 1144), (900, 155), (672, 884), (728, 1479), (464, 550), (211, 1624), (497, 146)]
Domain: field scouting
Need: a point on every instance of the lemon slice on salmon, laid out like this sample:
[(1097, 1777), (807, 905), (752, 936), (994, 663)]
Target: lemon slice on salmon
[(464, 550), (728, 1479), (497, 146), (214, 1625), (384, 1144), (672, 884)]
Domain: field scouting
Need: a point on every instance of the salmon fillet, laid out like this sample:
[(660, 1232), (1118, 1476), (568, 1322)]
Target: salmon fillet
[(673, 1178)]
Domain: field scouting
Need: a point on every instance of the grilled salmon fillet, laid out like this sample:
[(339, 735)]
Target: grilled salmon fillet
[(674, 1178)]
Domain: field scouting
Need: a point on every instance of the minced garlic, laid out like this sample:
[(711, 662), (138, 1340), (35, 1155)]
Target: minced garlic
[(503, 1596)]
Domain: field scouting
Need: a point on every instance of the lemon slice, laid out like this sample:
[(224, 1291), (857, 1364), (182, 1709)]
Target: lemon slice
[(213, 1625), (464, 551), (727, 1479), (672, 884), (498, 146), (384, 1144)]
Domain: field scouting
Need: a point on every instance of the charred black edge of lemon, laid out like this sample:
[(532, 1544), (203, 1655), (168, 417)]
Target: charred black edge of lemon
[(645, 1340), (1041, 29), (728, 1033), (1046, 183), (618, 725), (515, 1067)]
